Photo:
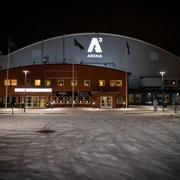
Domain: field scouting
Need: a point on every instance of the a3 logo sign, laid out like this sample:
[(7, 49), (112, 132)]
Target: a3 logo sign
[(94, 47)]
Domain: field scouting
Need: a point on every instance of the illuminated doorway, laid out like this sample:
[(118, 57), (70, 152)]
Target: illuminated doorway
[(106, 102)]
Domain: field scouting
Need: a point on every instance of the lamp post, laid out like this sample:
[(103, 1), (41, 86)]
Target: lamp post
[(7, 72), (25, 76), (126, 76), (73, 84), (162, 79)]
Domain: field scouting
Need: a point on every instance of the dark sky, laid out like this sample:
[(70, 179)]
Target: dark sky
[(157, 22)]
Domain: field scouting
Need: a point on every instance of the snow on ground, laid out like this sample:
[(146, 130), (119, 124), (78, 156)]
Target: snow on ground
[(90, 144)]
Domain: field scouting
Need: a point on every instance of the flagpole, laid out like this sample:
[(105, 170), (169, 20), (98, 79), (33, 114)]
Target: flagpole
[(42, 51), (63, 49), (76, 43), (72, 84), (126, 91), (126, 76), (7, 72), (126, 86)]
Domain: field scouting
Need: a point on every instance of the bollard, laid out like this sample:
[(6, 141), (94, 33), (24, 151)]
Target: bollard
[(155, 105), (175, 107), (12, 107), (94, 105)]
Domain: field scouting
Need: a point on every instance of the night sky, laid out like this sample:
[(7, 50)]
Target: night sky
[(156, 22)]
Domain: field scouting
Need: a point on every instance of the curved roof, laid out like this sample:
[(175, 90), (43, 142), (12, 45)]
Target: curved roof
[(95, 33)]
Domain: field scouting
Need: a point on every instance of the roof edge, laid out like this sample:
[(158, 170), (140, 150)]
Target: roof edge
[(95, 33)]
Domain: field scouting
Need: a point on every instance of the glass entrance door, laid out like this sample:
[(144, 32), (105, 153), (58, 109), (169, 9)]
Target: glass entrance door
[(105, 102), (32, 101)]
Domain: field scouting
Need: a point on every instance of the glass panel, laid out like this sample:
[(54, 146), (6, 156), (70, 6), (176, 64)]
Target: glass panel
[(47, 82), (74, 83), (61, 100), (131, 98), (35, 101), (81, 100), (60, 82), (29, 101), (86, 82), (37, 82), (112, 83), (109, 101), (87, 100), (102, 102), (7, 82), (119, 100), (118, 82), (67, 100), (13, 82), (101, 82), (138, 98)]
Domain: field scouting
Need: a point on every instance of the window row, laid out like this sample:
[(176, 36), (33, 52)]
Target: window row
[(10, 82), (47, 83)]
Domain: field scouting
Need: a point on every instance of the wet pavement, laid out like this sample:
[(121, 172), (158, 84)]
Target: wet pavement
[(87, 144)]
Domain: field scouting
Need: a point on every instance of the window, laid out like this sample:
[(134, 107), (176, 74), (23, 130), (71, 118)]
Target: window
[(37, 82), (138, 98), (13, 82), (48, 82), (118, 82), (120, 100), (101, 82), (112, 82), (7, 82), (115, 83), (60, 82), (73, 82), (131, 98), (86, 82)]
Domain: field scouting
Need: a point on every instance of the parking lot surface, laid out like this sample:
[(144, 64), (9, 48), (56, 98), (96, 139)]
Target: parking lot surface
[(89, 144)]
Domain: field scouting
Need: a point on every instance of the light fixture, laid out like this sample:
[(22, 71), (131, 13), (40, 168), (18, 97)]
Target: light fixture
[(162, 73), (33, 89)]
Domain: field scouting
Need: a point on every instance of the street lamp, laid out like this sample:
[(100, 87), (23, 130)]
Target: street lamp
[(162, 79), (25, 76)]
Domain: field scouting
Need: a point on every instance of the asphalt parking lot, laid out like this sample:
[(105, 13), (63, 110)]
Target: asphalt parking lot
[(88, 144)]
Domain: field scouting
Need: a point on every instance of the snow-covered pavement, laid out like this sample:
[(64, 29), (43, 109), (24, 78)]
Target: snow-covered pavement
[(89, 144)]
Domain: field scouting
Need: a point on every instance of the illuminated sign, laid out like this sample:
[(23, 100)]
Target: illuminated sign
[(94, 50), (33, 89)]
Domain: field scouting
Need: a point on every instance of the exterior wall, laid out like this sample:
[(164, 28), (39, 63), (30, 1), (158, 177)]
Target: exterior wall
[(157, 82), (151, 82), (55, 72)]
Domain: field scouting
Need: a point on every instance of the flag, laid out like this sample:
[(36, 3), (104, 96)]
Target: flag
[(128, 47), (11, 44), (76, 43)]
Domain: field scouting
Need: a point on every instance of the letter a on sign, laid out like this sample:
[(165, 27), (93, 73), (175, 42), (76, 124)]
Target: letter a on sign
[(94, 45)]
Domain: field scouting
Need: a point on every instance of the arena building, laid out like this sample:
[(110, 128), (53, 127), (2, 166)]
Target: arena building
[(88, 69)]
